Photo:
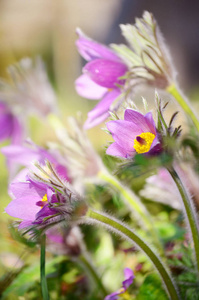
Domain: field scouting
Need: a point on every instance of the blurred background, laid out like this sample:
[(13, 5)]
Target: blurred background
[(47, 28)]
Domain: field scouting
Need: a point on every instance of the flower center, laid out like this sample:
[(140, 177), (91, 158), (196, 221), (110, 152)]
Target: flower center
[(142, 142), (44, 199)]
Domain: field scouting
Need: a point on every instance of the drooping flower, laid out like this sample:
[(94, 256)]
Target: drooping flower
[(10, 126), (100, 79), (135, 134), (147, 57), (44, 198), (129, 277)]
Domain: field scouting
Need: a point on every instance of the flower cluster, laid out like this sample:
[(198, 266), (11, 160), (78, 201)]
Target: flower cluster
[(60, 189)]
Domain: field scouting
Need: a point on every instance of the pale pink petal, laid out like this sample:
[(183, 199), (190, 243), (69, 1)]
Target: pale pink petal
[(87, 88), (90, 49)]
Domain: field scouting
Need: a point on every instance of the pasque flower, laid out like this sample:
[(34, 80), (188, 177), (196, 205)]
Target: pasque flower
[(44, 198), (100, 79), (129, 277), (135, 134)]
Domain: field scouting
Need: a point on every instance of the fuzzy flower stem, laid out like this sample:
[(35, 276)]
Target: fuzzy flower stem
[(134, 203), (190, 213), (89, 267), (174, 91), (122, 230), (44, 286)]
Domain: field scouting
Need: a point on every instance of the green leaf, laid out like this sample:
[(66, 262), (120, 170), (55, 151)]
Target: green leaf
[(152, 289), (29, 276)]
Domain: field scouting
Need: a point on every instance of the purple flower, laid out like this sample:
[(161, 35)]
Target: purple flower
[(44, 198), (10, 127), (135, 134), (24, 155), (129, 277), (32, 202), (101, 78)]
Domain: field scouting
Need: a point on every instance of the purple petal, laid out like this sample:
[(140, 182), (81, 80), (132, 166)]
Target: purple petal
[(105, 72), (101, 111), (115, 150), (129, 276), (27, 189), (24, 224), (24, 208), (20, 154), (113, 296), (87, 88), (151, 123), (46, 211), (90, 49), (124, 133), (146, 123)]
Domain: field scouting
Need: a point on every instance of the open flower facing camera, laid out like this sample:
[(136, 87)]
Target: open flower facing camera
[(135, 134)]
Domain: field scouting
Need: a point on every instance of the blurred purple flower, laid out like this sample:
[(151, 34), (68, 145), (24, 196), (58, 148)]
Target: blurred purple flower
[(129, 277), (10, 127), (24, 155), (135, 134), (101, 78)]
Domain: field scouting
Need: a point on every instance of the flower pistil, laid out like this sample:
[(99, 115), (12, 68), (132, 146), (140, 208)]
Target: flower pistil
[(143, 142)]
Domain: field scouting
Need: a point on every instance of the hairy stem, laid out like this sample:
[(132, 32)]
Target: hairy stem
[(173, 90), (190, 212), (117, 227), (88, 265), (44, 287), (135, 203)]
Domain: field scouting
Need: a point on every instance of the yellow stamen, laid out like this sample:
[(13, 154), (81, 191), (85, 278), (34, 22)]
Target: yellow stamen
[(142, 142), (44, 199)]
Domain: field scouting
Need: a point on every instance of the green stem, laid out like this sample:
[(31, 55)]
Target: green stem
[(134, 203), (173, 90), (87, 264), (190, 213), (44, 287), (125, 232)]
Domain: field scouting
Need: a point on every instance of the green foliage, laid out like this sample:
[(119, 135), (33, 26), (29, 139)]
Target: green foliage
[(152, 289), (27, 278)]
